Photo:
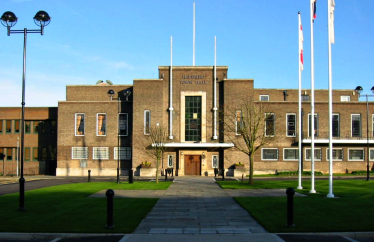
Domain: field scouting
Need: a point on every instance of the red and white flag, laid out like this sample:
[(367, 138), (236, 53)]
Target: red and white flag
[(314, 7), (331, 21), (301, 48)]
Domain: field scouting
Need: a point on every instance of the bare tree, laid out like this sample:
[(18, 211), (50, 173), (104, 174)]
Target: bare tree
[(249, 126)]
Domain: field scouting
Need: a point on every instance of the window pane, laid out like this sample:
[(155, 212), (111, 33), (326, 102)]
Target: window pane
[(122, 124), (101, 124), (269, 124), (1, 126), (79, 124), (79, 153), (27, 154), (335, 125), (35, 153), (27, 127), (315, 125), (215, 161), (317, 154), (8, 126), (356, 125), (291, 154), (16, 126), (124, 153), (270, 154), (170, 161), (9, 154), (1, 154), (147, 122), (36, 127), (239, 121), (355, 154), (337, 154), (193, 118), (101, 153), (291, 125), (264, 97)]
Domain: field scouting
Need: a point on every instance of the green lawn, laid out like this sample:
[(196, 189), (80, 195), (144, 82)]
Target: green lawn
[(67, 208), (353, 210)]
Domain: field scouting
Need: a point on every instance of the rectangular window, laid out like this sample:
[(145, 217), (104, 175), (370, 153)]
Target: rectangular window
[(215, 161), (147, 122), (35, 154), (269, 124), (16, 126), (193, 118), (317, 154), (337, 154), (264, 98), (2, 154), (9, 154), (36, 127), (315, 125), (345, 98), (290, 154), (238, 121), (27, 127), (291, 125), (356, 125), (356, 154), (170, 161), (124, 153), (101, 153), (27, 154), (8, 126), (336, 125), (269, 154), (79, 124), (79, 153), (123, 124), (1, 126), (305, 98), (371, 154), (101, 124), (44, 153)]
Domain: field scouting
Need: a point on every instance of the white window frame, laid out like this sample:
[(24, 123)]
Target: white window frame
[(127, 124), (360, 135), (217, 158), (97, 124), (315, 124), (266, 116), (124, 153), (284, 153), (315, 158), (84, 124), (334, 159), (145, 122), (363, 154), (370, 154), (289, 114), (345, 98), (236, 121), (265, 96), (76, 150), (100, 153), (262, 153), (172, 161)]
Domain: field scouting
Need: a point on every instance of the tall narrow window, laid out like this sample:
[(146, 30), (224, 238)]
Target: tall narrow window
[(1, 126), (147, 121), (356, 125), (9, 154), (193, 118), (269, 124), (315, 130), (8, 124), (170, 161), (123, 124), (27, 127), (79, 124), (27, 154), (16, 126), (239, 121), (35, 154), (36, 127), (2, 154), (101, 124), (291, 125), (336, 125), (215, 161)]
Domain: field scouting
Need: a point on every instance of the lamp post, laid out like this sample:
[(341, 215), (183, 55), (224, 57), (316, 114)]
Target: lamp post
[(359, 90), (8, 20)]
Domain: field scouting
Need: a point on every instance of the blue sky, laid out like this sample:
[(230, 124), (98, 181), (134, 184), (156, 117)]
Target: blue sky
[(122, 40)]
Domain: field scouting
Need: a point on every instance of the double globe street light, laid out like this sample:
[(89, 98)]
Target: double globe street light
[(9, 19)]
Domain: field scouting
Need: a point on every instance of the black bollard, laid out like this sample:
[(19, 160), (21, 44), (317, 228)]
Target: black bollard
[(89, 175), (215, 172), (290, 193), (131, 176), (223, 174), (109, 213), (166, 175)]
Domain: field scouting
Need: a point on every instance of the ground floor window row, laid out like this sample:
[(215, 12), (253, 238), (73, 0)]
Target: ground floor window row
[(101, 153), (35, 127), (292, 154), (30, 153)]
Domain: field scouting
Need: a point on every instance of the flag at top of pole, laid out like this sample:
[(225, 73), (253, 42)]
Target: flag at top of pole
[(314, 2), (331, 21), (301, 40)]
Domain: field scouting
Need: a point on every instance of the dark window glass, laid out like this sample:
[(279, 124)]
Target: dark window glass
[(291, 125), (335, 125), (193, 118), (356, 125)]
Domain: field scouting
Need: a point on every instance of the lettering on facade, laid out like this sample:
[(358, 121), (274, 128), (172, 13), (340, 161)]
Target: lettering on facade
[(194, 82), (193, 77)]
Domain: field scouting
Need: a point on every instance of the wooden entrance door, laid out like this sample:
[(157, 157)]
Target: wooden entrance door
[(192, 165)]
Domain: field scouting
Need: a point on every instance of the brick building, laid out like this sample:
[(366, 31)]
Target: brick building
[(100, 126), (40, 140)]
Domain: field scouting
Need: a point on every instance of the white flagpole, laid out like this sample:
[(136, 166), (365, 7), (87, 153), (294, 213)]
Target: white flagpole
[(215, 89), (300, 120), (193, 54), (312, 2), (171, 90), (330, 195)]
